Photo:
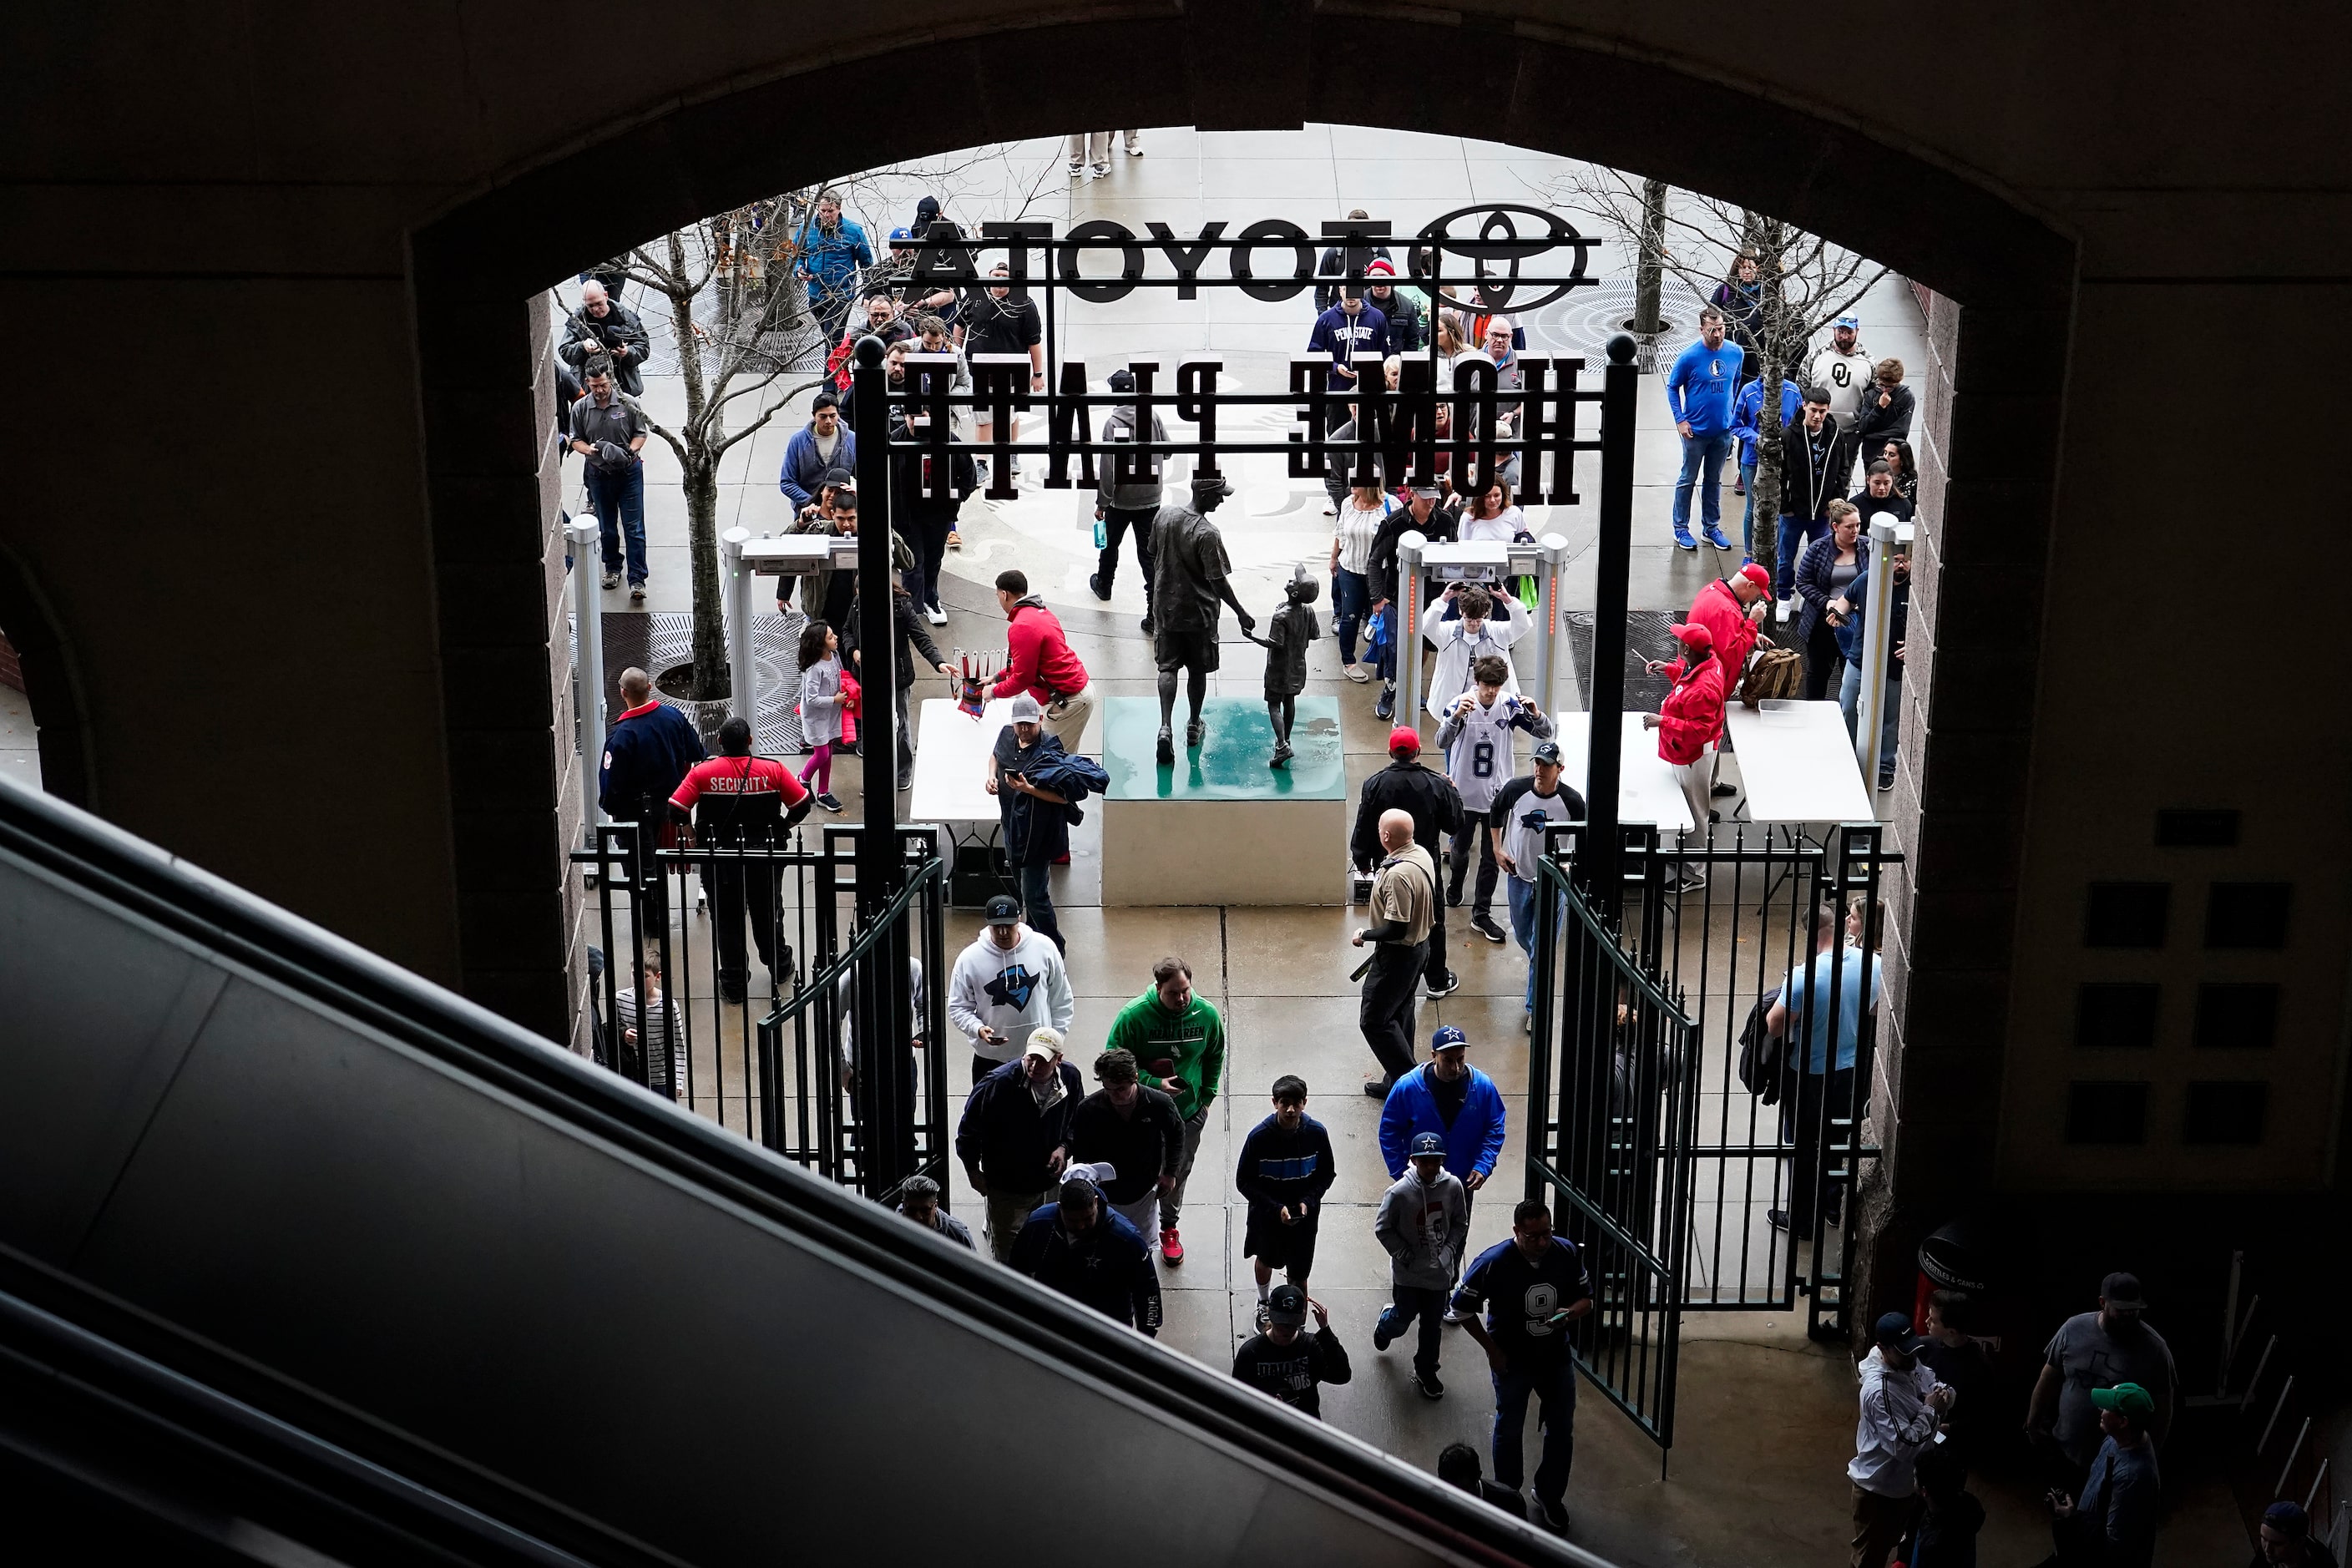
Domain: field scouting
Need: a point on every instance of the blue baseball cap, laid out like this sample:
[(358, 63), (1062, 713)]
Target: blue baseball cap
[(1428, 1146), (1851, 323), (1447, 1034), (902, 233)]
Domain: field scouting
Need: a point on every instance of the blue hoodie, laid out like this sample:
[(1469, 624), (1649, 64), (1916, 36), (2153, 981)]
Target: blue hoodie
[(1700, 387), (1749, 414), (1474, 1143), (1360, 341)]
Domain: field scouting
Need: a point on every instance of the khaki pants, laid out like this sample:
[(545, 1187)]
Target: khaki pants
[(1094, 146), (1879, 1522), (1007, 1212), (1697, 781), (1065, 718)]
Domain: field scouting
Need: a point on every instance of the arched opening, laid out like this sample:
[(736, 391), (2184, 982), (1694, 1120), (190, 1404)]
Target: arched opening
[(42, 732)]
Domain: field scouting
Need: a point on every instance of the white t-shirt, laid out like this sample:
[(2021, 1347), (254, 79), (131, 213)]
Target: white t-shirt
[(1502, 529), (1358, 528)]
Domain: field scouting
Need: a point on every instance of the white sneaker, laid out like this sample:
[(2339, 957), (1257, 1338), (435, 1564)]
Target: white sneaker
[(1134, 150), (1355, 672), (1787, 608), (937, 617), (1078, 167)]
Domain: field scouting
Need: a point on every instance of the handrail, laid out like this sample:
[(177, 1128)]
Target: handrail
[(1610, 940), (211, 913), (864, 944)]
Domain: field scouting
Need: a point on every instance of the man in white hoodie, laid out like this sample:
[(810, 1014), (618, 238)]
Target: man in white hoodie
[(1009, 982), (1464, 625), (1902, 1406)]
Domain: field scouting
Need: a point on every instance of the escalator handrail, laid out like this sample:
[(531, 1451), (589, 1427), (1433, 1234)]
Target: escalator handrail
[(210, 912)]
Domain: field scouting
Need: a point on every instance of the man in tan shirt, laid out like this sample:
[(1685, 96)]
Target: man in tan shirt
[(1404, 902)]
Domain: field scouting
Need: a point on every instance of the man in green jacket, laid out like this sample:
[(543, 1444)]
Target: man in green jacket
[(1180, 1042)]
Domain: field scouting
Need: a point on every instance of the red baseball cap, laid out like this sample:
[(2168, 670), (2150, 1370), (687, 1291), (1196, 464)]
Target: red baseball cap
[(1757, 575), (1405, 738), (1692, 634)]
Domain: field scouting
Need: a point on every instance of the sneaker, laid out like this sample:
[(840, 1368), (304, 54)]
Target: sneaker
[(1715, 537), (1690, 881), (1382, 1336), (936, 616), (1135, 152), (1740, 487), (955, 539), (1724, 791), (1357, 673), (1683, 540), (1554, 1516), (1454, 897), (1886, 783), (1785, 611), (1777, 1219), (1527, 1022), (829, 801), (905, 780), (1093, 581), (1377, 1090), (1484, 926), (1328, 511), (1171, 1247), (1148, 624), (1101, 172), (1426, 1381), (636, 592), (1078, 167), (1386, 706), (1452, 984), (611, 579)]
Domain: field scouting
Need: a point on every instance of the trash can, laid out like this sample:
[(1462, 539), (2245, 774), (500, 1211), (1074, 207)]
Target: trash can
[(1952, 1259)]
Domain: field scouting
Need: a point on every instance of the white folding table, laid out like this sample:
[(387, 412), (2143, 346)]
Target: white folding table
[(1646, 787), (951, 750), (1796, 764)]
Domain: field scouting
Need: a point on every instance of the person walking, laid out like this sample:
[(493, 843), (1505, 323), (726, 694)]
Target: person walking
[(832, 250), (923, 520), (1136, 1132), (1447, 1096), (1819, 1087), (604, 328), (1285, 1361), (1843, 372), (1747, 429), (1479, 740), (1535, 1288), (1177, 1038), (1384, 575), (1403, 908), (906, 625), (1403, 317), (1039, 660), (652, 1035), (1815, 455), (648, 754), (1078, 1245), (1687, 722), (1433, 807), (1125, 505), (1354, 336), (1901, 1406), (1284, 1169), (737, 802), (1422, 1224), (1362, 512), (1520, 812), (919, 1199), (1014, 1135), (2090, 1351), (1034, 781), (1699, 392), (2285, 1540), (822, 707), (1009, 983), (2112, 1522), (996, 321), (1825, 573), (611, 434), (1884, 410), (821, 446)]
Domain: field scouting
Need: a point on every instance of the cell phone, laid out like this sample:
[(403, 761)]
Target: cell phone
[(1559, 1316)]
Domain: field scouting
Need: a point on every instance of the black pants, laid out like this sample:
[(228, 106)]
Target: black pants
[(1117, 521), (736, 887), (1457, 863), (929, 535), (1434, 966), (1803, 1118), (1390, 995), (1824, 665)]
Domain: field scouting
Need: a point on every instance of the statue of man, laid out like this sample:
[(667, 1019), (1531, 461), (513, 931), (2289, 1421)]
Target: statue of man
[(1190, 583)]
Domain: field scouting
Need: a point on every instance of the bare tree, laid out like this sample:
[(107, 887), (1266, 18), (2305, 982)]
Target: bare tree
[(1803, 283), (1649, 273)]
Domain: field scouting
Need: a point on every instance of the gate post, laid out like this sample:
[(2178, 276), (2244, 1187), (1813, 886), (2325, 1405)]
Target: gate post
[(1604, 853)]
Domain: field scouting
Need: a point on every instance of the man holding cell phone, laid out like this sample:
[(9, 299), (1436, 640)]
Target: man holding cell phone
[(1538, 1289)]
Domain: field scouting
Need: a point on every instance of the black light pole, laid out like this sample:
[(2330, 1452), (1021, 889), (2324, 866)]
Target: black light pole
[(1620, 384), (884, 1005)]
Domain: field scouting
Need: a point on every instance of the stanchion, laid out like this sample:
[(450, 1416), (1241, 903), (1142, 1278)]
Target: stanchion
[(1887, 537)]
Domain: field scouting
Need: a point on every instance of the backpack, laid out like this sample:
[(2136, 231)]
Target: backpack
[(1772, 673)]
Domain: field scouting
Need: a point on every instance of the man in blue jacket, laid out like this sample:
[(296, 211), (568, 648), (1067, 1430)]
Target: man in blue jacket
[(647, 754), (1747, 427), (822, 444), (832, 251), (1447, 1096), (1699, 391)]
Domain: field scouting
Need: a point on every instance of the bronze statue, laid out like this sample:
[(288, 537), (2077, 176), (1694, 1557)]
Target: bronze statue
[(1189, 581), (1287, 632)]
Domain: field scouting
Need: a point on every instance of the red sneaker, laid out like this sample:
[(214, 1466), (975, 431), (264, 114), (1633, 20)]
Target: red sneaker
[(1171, 1247)]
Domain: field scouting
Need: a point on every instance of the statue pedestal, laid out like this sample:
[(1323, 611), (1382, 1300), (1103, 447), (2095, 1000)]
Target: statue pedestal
[(1220, 827)]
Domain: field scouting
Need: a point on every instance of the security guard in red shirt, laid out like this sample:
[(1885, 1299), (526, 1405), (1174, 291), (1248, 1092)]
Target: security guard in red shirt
[(742, 807)]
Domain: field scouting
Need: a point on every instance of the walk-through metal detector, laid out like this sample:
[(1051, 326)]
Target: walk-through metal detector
[(1424, 570), (743, 559)]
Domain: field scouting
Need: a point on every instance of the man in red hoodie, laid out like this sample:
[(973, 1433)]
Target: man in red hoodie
[(1687, 722), (1038, 660)]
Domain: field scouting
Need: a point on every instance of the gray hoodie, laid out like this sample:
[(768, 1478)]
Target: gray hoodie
[(1120, 426), (1423, 1227)]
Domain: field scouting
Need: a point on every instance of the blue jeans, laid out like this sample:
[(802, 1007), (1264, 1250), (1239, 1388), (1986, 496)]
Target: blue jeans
[(1352, 600), (1703, 457), (619, 502), (1890, 713), (1523, 927), (1038, 903), (1555, 1387), (1795, 534), (1747, 518), (1407, 1303)]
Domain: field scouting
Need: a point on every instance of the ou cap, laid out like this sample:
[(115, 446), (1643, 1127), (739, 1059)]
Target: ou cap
[(1428, 1146), (1691, 634), (1287, 1305), (1448, 1035), (1405, 738), (1001, 910)]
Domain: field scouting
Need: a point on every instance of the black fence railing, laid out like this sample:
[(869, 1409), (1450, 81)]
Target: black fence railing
[(733, 983)]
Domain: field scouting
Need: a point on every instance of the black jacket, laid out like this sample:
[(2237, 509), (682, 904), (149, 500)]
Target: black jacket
[(1380, 567), (910, 633), (1140, 1147), (910, 501), (584, 335), (1806, 491), (1404, 320), (1331, 274), (1006, 1136), (1874, 426), (1430, 798), (646, 753), (1108, 1267)]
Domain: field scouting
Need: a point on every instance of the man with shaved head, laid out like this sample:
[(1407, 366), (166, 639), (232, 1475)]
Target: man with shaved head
[(603, 326), (648, 754), (1404, 902)]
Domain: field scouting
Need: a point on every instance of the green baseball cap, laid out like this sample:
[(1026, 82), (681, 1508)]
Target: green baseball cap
[(2128, 1397)]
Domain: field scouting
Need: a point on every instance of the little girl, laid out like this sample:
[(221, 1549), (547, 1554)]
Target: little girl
[(821, 706)]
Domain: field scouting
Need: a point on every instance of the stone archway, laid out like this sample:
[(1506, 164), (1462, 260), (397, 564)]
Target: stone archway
[(1991, 402)]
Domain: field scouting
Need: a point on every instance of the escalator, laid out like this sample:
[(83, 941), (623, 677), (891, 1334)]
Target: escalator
[(303, 1259)]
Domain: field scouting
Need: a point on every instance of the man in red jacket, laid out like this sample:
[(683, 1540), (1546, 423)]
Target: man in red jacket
[(1730, 608), (1038, 660), (1687, 722)]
